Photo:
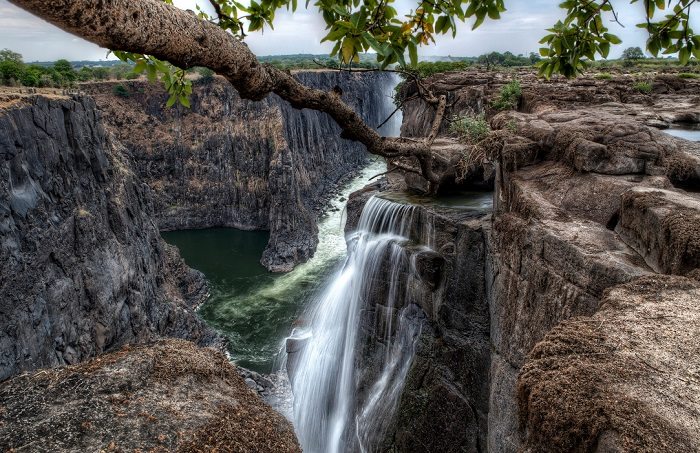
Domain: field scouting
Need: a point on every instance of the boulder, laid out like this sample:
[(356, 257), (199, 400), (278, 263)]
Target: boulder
[(165, 396)]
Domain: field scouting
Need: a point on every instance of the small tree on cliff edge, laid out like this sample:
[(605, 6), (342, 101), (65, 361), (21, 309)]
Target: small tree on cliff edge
[(153, 32)]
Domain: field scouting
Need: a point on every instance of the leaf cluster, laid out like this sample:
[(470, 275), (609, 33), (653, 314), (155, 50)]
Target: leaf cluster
[(174, 79), (572, 43)]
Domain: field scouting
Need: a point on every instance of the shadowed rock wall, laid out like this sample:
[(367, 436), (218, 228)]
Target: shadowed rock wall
[(83, 266)]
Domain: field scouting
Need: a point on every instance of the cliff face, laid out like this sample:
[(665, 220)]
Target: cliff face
[(83, 266), (444, 401), (588, 264), (249, 165)]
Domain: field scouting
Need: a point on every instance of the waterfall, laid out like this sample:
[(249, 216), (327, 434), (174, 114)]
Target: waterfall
[(333, 411)]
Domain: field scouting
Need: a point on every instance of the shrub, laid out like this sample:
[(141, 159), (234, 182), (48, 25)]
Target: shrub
[(689, 75), (603, 76), (509, 96), (642, 87), (471, 129), (121, 91)]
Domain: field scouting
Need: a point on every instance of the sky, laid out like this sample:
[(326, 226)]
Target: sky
[(518, 31)]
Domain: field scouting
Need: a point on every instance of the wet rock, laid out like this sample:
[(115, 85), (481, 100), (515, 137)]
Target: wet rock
[(444, 403), (294, 348)]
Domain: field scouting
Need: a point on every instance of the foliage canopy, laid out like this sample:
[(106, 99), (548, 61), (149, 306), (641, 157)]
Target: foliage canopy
[(357, 26)]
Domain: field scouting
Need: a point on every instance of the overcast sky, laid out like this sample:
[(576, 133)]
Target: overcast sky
[(518, 31)]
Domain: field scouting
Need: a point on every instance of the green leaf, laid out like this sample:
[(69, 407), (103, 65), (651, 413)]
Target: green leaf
[(347, 50), (413, 53), (612, 39), (171, 101)]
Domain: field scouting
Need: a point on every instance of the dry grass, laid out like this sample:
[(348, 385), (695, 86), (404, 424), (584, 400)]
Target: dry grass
[(167, 396), (622, 377)]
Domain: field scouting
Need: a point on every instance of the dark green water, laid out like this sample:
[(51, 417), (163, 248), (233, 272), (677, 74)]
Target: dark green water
[(253, 321)]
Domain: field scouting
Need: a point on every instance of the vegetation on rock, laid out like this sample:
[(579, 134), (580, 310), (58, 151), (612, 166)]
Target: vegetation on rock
[(643, 87), (471, 129), (509, 96)]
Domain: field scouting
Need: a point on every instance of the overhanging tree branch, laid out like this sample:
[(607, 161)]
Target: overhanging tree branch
[(154, 28)]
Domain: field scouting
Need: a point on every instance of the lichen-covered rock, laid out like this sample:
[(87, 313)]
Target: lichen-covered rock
[(624, 379), (664, 227), (169, 396), (83, 267)]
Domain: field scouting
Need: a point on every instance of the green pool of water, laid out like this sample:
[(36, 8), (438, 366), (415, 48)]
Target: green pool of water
[(251, 320)]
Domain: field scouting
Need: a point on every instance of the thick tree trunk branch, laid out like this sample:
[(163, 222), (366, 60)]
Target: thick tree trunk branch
[(152, 27)]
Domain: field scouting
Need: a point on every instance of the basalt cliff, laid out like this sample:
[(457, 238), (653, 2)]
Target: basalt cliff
[(565, 318), (228, 162), (83, 267)]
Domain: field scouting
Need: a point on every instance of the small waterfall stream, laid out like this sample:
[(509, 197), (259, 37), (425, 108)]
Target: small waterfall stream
[(328, 416)]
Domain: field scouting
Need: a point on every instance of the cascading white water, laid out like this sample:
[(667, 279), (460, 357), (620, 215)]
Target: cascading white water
[(328, 416)]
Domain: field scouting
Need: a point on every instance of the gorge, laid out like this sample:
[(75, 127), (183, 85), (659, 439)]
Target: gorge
[(547, 302)]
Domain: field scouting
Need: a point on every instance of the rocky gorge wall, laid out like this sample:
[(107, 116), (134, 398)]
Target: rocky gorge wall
[(235, 163), (562, 321), (83, 267)]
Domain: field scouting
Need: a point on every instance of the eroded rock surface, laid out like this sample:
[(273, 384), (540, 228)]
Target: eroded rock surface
[(592, 204), (170, 396), (625, 379)]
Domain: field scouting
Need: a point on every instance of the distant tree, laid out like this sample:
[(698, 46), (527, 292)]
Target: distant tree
[(68, 75), (8, 55), (121, 91), (86, 73), (120, 71), (11, 72), (11, 67), (633, 53), (534, 57), (100, 73), (32, 76)]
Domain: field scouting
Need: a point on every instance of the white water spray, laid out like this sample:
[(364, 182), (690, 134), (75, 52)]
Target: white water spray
[(328, 416)]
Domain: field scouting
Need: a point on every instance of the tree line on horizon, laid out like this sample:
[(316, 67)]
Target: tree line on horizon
[(59, 74), (63, 74)]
